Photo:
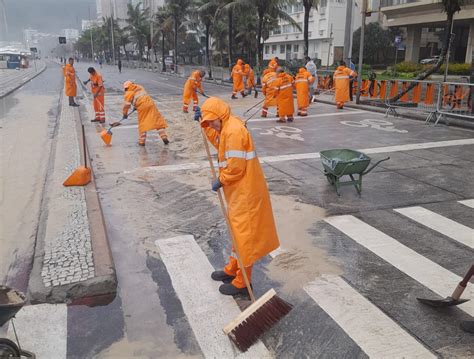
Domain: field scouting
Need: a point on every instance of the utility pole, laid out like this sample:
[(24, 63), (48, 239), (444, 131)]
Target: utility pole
[(152, 3), (112, 27), (329, 47), (451, 38), (5, 20), (90, 31), (348, 32), (361, 51)]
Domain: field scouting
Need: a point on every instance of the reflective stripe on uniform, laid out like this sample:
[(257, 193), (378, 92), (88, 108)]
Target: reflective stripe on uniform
[(285, 86), (223, 164), (138, 95), (301, 80), (341, 77), (240, 154)]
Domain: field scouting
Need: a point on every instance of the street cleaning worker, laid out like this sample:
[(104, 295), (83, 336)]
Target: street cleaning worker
[(250, 75), (268, 79), (192, 85), (149, 118), (303, 82), (284, 85), (341, 78), (245, 190), (70, 86), (237, 76), (98, 91)]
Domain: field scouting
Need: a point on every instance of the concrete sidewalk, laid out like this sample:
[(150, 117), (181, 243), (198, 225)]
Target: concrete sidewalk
[(10, 80), (72, 258)]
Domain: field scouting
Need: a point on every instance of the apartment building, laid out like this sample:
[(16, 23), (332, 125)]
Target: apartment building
[(424, 21)]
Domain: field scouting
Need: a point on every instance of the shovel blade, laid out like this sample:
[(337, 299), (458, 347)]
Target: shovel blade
[(106, 137), (80, 177), (440, 303)]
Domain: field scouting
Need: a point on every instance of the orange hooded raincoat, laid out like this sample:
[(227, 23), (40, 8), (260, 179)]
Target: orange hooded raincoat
[(193, 84), (284, 85), (243, 181), (248, 71), (341, 84), (149, 118), (238, 77), (268, 81), (70, 85), (303, 80)]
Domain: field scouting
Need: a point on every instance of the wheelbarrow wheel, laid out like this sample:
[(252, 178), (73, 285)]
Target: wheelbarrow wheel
[(8, 349), (331, 179)]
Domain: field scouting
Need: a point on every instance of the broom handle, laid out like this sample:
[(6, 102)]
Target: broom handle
[(468, 276), (224, 212), (84, 146)]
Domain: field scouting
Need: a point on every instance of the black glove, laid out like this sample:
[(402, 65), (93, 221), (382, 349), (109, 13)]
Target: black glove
[(216, 184), (125, 117)]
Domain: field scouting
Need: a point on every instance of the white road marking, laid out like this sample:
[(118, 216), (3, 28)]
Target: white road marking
[(426, 272), (277, 252), (207, 310), (311, 155), (311, 116), (443, 225), (468, 202), (42, 329), (373, 331)]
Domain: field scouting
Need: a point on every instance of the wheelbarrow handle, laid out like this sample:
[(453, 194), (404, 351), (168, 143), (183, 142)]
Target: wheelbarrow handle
[(375, 165)]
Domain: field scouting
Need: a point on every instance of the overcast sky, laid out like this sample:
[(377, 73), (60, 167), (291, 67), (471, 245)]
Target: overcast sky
[(46, 15)]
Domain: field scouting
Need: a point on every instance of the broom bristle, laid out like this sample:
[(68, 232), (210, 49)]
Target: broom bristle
[(247, 331)]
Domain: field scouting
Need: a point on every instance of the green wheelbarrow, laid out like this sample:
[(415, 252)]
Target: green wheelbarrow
[(345, 162)]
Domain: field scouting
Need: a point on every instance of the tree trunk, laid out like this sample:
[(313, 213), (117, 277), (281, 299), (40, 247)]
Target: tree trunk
[(163, 68), (208, 58), (434, 69), (259, 41), (230, 54), (307, 9), (176, 45)]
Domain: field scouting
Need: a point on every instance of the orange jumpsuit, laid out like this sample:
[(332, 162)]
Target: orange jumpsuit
[(238, 79), (245, 189), (149, 118), (303, 81), (284, 86), (268, 90), (250, 84), (341, 79), (193, 84), (98, 90), (70, 85)]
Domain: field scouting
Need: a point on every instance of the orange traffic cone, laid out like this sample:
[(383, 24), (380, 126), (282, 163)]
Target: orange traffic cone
[(82, 175)]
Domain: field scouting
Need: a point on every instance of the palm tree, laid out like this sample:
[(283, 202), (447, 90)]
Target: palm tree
[(207, 10), (177, 10), (450, 7), (165, 24), (308, 5), (138, 27)]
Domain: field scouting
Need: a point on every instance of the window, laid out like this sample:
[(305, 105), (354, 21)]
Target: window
[(282, 49), (288, 48), (321, 32), (287, 29), (276, 31), (323, 3), (296, 48), (274, 49), (267, 49)]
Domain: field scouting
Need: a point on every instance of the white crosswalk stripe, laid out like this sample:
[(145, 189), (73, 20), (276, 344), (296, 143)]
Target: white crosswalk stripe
[(468, 202), (443, 225), (207, 310), (375, 333), (426, 272)]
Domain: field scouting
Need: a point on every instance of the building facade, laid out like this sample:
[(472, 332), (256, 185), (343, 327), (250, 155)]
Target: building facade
[(326, 32), (71, 34), (112, 8), (424, 22)]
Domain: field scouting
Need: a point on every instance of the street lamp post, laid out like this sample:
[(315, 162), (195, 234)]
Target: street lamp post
[(361, 51), (112, 27), (90, 31)]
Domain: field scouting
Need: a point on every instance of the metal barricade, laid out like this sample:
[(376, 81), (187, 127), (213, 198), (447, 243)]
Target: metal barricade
[(455, 100), (423, 98)]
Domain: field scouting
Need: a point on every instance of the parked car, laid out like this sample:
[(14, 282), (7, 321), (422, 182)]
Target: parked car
[(430, 60)]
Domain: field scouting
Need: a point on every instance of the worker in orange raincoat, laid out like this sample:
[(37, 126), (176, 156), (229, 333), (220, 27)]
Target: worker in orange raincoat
[(268, 79), (284, 85), (238, 79), (303, 81), (98, 91), (273, 64), (192, 85), (70, 85), (341, 78), (245, 190), (149, 118), (250, 78)]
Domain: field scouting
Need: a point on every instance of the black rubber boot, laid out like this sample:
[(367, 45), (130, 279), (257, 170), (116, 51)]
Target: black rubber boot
[(229, 289), (166, 141), (221, 276)]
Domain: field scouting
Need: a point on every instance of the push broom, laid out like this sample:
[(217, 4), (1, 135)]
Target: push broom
[(82, 174), (106, 134), (263, 313)]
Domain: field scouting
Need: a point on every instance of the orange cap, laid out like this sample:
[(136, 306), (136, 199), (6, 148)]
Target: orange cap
[(126, 84)]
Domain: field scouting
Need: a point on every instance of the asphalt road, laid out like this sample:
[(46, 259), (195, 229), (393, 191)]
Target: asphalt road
[(351, 265)]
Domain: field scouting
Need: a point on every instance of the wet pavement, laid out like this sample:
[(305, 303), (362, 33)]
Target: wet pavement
[(359, 251)]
